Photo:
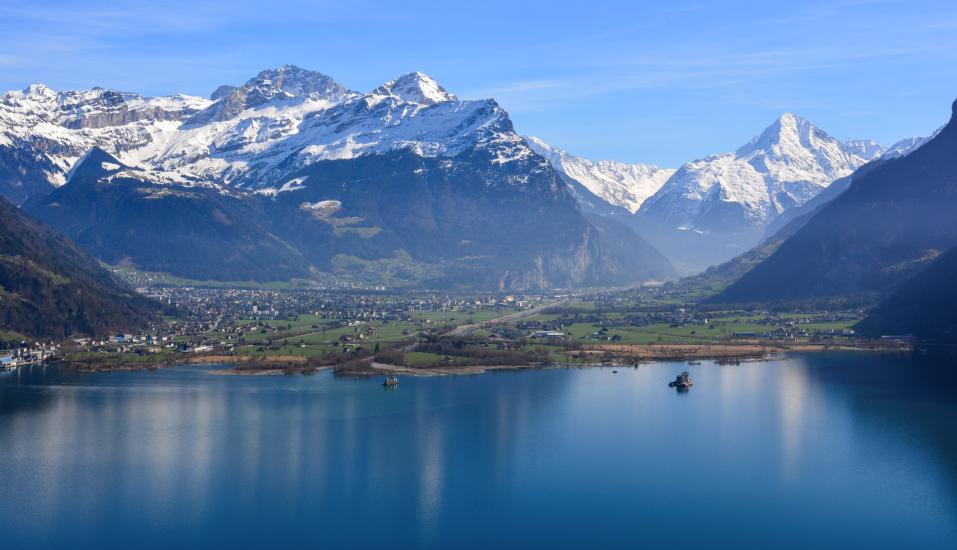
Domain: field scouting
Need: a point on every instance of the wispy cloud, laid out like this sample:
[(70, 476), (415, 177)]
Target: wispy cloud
[(612, 65), (518, 87)]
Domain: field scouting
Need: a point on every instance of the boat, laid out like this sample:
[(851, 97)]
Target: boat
[(683, 381), (390, 382)]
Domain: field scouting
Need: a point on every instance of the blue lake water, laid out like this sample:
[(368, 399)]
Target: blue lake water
[(843, 450)]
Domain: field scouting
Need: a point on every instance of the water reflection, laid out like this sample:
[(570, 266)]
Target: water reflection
[(794, 396), (560, 457)]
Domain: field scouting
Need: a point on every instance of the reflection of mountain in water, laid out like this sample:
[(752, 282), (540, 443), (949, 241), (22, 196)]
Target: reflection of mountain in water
[(908, 402), (559, 457)]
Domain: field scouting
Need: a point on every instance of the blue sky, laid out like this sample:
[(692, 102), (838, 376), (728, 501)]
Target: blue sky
[(662, 82)]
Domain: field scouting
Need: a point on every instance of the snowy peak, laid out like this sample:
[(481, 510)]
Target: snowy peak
[(89, 109), (282, 84), (618, 183), (416, 88), (907, 146), (258, 134), (39, 91), (786, 165), (298, 82), (719, 206), (222, 91), (792, 149), (867, 149), (789, 131)]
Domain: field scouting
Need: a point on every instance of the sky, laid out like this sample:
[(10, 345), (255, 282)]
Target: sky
[(654, 82)]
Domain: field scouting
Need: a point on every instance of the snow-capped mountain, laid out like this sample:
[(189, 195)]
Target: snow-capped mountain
[(714, 208), (894, 220), (907, 146), (415, 88), (43, 132), (427, 187), (273, 85), (867, 149), (256, 134), (618, 183)]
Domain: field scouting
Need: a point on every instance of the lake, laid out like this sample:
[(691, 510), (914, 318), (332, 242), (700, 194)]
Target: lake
[(817, 450)]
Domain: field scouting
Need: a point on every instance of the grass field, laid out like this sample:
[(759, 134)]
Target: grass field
[(421, 358), (461, 317), (717, 330)]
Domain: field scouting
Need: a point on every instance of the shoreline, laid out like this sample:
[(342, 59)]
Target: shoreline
[(387, 369), (595, 355), (738, 350)]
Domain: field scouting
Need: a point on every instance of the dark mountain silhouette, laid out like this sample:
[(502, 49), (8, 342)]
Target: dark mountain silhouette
[(395, 216), (49, 288), (124, 219), (924, 306)]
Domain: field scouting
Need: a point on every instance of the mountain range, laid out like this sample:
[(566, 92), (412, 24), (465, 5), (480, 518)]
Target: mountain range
[(716, 207), (293, 175)]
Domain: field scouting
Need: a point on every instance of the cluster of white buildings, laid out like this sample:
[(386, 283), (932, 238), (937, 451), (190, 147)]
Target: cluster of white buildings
[(11, 359)]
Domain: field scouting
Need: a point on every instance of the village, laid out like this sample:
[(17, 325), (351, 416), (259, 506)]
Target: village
[(221, 321), (420, 328)]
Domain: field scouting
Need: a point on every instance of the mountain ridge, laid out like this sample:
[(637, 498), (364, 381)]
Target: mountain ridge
[(873, 236), (716, 207), (617, 183), (419, 221)]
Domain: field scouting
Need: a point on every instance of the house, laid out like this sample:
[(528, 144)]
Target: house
[(548, 334)]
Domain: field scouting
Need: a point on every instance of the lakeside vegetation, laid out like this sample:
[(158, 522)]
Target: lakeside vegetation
[(369, 337)]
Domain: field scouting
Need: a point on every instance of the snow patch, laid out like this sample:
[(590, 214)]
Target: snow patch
[(789, 163), (326, 206), (414, 87), (618, 183), (306, 118)]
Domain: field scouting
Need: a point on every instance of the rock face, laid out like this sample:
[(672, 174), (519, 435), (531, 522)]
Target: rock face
[(449, 215), (49, 288), (128, 216), (272, 85), (221, 188), (395, 218), (894, 219), (714, 208)]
